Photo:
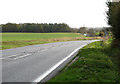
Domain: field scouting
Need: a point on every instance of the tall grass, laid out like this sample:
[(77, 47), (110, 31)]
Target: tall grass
[(93, 65)]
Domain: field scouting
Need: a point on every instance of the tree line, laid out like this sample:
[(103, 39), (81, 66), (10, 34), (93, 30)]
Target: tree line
[(37, 28), (48, 28)]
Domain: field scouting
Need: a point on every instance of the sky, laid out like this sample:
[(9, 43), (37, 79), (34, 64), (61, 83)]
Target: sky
[(75, 13)]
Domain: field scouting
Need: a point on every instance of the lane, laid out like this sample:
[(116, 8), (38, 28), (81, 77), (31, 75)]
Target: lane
[(27, 64)]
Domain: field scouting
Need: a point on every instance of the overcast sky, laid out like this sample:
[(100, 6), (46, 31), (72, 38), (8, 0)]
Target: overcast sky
[(75, 13)]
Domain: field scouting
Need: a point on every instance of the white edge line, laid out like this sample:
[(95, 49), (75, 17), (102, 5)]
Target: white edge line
[(56, 65)]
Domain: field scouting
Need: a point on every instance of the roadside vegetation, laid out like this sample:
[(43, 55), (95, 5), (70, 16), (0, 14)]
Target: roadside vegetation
[(96, 63), (113, 18), (13, 40)]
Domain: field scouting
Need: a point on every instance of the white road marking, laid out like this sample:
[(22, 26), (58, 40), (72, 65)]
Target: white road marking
[(22, 56), (33, 50), (41, 77), (9, 56), (42, 50)]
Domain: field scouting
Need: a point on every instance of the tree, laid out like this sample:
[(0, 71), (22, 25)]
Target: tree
[(36, 27), (113, 16), (82, 30), (91, 32)]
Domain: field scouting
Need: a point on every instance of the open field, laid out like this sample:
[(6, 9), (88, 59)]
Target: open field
[(13, 40), (93, 65), (36, 36)]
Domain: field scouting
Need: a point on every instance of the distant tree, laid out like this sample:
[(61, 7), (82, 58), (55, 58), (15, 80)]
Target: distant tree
[(82, 30), (10, 27), (35, 27), (74, 30), (91, 32)]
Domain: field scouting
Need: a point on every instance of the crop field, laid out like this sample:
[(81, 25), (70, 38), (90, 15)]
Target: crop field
[(35, 36), (13, 40)]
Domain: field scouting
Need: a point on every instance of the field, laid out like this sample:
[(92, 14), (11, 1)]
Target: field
[(13, 40), (35, 36)]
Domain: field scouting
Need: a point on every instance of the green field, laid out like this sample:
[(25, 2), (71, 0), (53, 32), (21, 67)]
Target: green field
[(35, 36), (13, 40)]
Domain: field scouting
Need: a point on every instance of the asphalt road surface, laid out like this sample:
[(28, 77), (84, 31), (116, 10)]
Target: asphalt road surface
[(33, 63)]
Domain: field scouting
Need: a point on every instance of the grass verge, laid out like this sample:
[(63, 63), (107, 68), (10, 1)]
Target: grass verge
[(93, 65)]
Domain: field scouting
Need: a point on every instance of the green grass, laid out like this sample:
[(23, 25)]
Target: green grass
[(93, 65), (35, 36), (97, 33), (13, 40)]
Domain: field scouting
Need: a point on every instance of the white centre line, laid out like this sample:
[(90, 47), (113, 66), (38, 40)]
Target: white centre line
[(8, 56), (22, 56), (11, 56), (42, 50)]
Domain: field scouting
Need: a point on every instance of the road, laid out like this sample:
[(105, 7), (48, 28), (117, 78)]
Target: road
[(35, 62)]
